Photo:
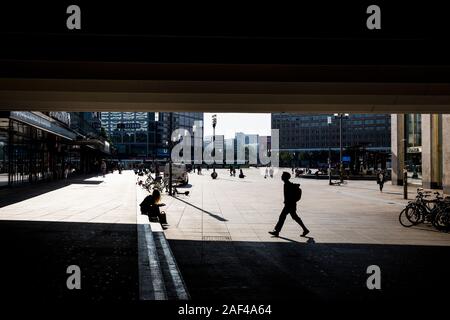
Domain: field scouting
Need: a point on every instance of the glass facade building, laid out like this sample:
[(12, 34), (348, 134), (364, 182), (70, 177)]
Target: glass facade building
[(414, 152), (310, 139), (425, 155), (144, 135), (305, 132), (39, 146)]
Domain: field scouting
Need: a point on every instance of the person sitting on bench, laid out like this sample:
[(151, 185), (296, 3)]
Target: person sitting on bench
[(150, 207)]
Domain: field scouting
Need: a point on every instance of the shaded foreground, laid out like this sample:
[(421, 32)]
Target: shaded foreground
[(222, 271)]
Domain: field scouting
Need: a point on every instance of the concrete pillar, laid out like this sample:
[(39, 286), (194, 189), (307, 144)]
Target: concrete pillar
[(397, 147), (446, 152), (427, 176), (436, 152), (431, 152)]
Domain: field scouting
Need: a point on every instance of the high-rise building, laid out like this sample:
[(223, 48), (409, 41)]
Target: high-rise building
[(145, 135), (242, 149), (316, 134)]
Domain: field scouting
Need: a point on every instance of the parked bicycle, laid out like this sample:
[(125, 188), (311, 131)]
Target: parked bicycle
[(424, 209), (160, 183)]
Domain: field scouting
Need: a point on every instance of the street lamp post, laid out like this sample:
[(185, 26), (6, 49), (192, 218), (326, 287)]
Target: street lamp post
[(341, 116), (214, 123), (170, 152), (405, 153), (329, 152)]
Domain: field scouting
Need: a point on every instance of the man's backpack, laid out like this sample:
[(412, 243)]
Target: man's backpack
[(296, 192)]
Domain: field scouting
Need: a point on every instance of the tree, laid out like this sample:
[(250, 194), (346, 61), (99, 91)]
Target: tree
[(286, 157)]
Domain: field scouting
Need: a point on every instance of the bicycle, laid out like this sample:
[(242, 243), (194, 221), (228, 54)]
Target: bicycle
[(442, 219), (435, 211), (416, 211)]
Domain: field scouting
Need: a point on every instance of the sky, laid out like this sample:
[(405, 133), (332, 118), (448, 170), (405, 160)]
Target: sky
[(230, 123)]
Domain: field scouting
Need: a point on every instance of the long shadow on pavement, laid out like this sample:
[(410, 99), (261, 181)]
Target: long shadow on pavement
[(35, 257), (240, 270), (215, 216)]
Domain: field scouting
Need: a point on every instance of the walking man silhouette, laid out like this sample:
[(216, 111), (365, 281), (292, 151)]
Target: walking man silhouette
[(380, 179), (290, 206)]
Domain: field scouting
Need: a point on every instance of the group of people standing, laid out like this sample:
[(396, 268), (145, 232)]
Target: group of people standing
[(233, 172), (268, 172)]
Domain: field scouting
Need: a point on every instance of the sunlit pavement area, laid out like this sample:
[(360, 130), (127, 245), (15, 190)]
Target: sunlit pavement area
[(219, 238), (219, 235), (89, 222)]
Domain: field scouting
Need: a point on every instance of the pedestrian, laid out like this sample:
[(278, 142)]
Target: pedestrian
[(241, 174), (271, 172), (97, 167), (266, 173), (150, 207), (157, 170), (231, 170), (292, 194), (103, 168), (381, 179), (66, 172)]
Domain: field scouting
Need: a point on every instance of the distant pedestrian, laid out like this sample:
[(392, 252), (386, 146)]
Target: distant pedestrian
[(292, 194), (266, 173), (103, 168), (150, 207), (234, 172), (241, 174), (381, 179), (271, 172), (97, 167), (66, 172), (157, 170)]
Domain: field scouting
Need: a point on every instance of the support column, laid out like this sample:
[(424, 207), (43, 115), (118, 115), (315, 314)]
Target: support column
[(446, 152), (397, 147), (427, 165)]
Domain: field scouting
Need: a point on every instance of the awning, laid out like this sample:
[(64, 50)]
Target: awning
[(43, 123), (98, 144)]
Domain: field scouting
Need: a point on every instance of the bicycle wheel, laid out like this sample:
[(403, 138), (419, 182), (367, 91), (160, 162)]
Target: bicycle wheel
[(409, 216), (442, 220), (404, 221)]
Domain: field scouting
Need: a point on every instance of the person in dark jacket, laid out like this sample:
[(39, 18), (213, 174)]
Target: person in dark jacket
[(381, 179), (150, 207), (290, 207)]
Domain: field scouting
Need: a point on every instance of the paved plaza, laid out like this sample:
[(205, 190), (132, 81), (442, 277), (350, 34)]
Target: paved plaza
[(86, 221), (246, 209), (219, 237)]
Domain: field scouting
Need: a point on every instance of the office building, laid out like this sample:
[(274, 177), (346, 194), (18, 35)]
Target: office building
[(141, 136), (427, 146), (306, 139), (38, 146)]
